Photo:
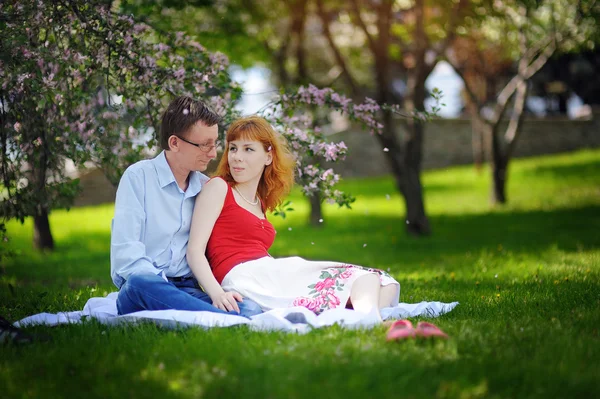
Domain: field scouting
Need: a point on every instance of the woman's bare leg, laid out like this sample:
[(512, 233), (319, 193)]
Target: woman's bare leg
[(387, 295), (365, 293)]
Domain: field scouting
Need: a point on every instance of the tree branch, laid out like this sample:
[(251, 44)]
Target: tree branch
[(516, 118), (421, 39), (440, 49), (363, 26), (540, 61), (336, 52), (509, 90), (532, 51), (279, 57), (460, 73), (298, 11)]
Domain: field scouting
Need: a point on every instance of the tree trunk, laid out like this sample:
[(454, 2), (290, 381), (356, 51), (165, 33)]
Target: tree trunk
[(406, 170), (477, 145), (503, 146), (476, 138), (499, 173), (316, 214), (42, 236), (315, 200), (499, 164), (416, 221), (405, 162), (297, 28)]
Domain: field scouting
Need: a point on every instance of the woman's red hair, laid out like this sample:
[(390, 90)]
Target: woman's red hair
[(278, 177)]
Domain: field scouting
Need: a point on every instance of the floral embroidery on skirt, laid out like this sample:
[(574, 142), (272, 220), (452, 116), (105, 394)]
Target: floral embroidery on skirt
[(294, 281)]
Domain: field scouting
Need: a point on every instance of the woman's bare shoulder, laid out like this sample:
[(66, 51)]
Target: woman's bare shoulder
[(214, 188)]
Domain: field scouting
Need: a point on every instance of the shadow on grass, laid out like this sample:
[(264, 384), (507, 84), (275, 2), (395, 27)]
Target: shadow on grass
[(380, 241), (131, 370), (146, 361), (376, 241)]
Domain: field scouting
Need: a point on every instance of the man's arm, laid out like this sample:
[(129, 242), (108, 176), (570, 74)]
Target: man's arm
[(127, 251)]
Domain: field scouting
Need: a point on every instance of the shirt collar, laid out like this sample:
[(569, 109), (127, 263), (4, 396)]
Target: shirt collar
[(166, 176), (197, 180)]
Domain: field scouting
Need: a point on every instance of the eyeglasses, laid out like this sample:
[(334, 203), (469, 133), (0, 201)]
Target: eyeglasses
[(203, 147)]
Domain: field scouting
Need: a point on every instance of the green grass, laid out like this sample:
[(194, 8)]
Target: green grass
[(526, 275)]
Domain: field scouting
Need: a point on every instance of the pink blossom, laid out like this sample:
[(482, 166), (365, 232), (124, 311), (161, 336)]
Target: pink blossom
[(311, 170), (331, 152), (17, 127), (196, 45), (179, 74), (162, 47), (139, 28), (327, 173), (80, 126)]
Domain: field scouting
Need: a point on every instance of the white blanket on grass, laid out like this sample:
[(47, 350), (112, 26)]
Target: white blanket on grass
[(105, 311)]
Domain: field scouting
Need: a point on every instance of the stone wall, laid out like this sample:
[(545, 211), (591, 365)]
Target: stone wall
[(449, 142), (95, 188)]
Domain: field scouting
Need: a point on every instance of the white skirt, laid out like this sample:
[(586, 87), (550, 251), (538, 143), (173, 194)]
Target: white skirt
[(287, 282)]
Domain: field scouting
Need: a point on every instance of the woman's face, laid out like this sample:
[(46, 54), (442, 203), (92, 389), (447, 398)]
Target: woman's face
[(247, 160)]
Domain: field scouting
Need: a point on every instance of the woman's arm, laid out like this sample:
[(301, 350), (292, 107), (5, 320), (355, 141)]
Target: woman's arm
[(207, 209)]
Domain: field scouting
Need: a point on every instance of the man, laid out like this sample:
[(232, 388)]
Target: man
[(153, 212)]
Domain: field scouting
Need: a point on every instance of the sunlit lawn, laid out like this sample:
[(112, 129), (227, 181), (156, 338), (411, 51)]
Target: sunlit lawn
[(526, 275)]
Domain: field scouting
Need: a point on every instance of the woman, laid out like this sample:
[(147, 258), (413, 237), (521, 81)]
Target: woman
[(230, 233)]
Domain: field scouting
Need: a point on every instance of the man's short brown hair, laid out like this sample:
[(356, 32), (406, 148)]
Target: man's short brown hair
[(183, 113)]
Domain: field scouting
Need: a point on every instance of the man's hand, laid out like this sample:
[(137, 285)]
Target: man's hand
[(228, 301)]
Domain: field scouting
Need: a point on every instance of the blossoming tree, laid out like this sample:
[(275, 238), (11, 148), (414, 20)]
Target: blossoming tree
[(385, 49), (79, 82)]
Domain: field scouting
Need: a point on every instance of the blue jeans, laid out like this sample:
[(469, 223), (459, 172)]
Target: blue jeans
[(151, 292)]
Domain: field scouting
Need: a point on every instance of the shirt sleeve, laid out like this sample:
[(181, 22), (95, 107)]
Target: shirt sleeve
[(127, 249)]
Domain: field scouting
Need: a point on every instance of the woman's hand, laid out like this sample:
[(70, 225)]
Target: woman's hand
[(228, 301)]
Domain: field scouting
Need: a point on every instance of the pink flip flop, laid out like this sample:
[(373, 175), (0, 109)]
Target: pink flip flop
[(400, 329), (425, 329)]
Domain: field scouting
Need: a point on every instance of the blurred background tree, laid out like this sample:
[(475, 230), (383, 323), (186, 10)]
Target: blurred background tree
[(383, 49), (81, 83), (90, 89), (525, 34)]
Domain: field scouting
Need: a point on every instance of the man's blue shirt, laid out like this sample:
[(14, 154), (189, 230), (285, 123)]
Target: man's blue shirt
[(151, 226)]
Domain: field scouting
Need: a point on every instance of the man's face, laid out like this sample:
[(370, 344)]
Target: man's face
[(198, 147)]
